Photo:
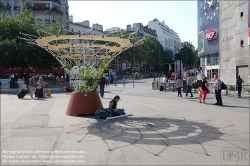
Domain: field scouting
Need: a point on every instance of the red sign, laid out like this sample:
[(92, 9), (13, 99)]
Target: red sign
[(211, 34)]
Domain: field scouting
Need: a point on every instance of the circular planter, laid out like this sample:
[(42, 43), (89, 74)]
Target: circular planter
[(83, 103)]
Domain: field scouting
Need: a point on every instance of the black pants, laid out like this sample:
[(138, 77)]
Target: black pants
[(239, 91), (218, 97), (189, 90), (102, 91), (179, 92)]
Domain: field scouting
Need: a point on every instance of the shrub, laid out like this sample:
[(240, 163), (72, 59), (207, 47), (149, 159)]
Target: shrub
[(137, 75)]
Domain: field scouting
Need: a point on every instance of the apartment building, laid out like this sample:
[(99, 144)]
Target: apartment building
[(168, 38), (50, 10)]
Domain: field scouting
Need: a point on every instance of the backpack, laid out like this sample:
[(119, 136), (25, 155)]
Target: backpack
[(103, 113), (223, 86)]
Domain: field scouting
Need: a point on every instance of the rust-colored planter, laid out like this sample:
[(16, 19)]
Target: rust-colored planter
[(83, 103)]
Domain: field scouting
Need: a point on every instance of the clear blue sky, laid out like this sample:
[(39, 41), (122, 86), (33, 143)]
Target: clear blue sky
[(178, 15)]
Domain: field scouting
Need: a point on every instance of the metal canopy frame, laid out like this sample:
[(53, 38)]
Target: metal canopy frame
[(69, 49)]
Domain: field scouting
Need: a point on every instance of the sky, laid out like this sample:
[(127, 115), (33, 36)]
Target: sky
[(181, 16)]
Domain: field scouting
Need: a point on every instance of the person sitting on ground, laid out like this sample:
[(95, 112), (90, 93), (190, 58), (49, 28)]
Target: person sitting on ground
[(113, 106)]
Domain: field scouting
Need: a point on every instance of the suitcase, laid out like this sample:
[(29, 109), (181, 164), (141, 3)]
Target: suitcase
[(161, 87), (48, 92), (22, 93)]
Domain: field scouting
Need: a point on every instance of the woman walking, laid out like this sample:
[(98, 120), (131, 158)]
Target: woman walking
[(40, 85), (179, 86), (205, 89)]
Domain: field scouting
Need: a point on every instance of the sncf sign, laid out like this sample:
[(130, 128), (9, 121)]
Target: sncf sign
[(211, 34)]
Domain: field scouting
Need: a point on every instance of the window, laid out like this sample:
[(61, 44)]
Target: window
[(32, 5), (5, 4), (47, 5), (16, 3), (241, 14), (47, 17), (54, 18)]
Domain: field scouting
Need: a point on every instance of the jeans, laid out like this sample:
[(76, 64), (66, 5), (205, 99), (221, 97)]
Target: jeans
[(189, 90), (101, 91), (239, 91), (179, 92), (118, 112), (218, 97)]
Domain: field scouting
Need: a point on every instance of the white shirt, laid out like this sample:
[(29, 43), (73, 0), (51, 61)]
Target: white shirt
[(218, 81), (164, 80)]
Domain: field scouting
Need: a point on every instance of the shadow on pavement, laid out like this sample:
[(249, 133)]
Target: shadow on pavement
[(152, 131)]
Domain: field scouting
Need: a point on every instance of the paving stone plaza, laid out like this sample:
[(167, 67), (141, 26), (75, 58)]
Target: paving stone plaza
[(164, 130)]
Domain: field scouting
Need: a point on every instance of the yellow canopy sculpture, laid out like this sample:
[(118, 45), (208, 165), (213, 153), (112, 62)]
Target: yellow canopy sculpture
[(88, 49)]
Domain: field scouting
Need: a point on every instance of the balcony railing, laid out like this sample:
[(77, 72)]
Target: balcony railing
[(5, 7), (16, 7), (53, 9), (47, 21)]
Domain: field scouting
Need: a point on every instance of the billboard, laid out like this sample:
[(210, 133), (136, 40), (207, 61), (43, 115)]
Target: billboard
[(249, 23), (124, 66), (201, 42), (177, 64), (211, 34)]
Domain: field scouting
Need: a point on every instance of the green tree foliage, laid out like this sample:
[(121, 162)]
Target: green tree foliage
[(148, 53), (190, 57), (17, 53)]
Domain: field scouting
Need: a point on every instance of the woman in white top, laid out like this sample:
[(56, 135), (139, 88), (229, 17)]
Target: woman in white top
[(40, 85)]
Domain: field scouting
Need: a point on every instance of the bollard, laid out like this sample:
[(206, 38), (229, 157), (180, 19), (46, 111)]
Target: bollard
[(123, 83), (115, 82), (133, 83), (227, 91), (173, 87), (157, 85)]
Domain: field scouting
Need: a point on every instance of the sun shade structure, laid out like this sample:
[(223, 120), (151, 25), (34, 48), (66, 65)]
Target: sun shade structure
[(87, 48)]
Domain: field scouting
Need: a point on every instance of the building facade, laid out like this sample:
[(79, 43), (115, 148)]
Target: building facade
[(234, 47), (49, 11), (143, 30), (208, 37), (168, 38)]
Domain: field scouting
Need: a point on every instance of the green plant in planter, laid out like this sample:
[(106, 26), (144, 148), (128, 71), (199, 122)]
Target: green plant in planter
[(231, 88), (137, 75), (88, 78)]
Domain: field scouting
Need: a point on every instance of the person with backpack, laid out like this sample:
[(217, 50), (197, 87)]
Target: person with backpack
[(217, 90), (113, 106), (239, 82)]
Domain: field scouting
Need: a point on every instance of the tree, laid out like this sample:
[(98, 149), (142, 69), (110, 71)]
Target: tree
[(197, 58), (188, 56), (15, 52)]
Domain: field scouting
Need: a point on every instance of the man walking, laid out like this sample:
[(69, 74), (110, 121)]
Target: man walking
[(32, 86), (164, 81), (239, 82), (102, 85), (217, 89), (189, 86)]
